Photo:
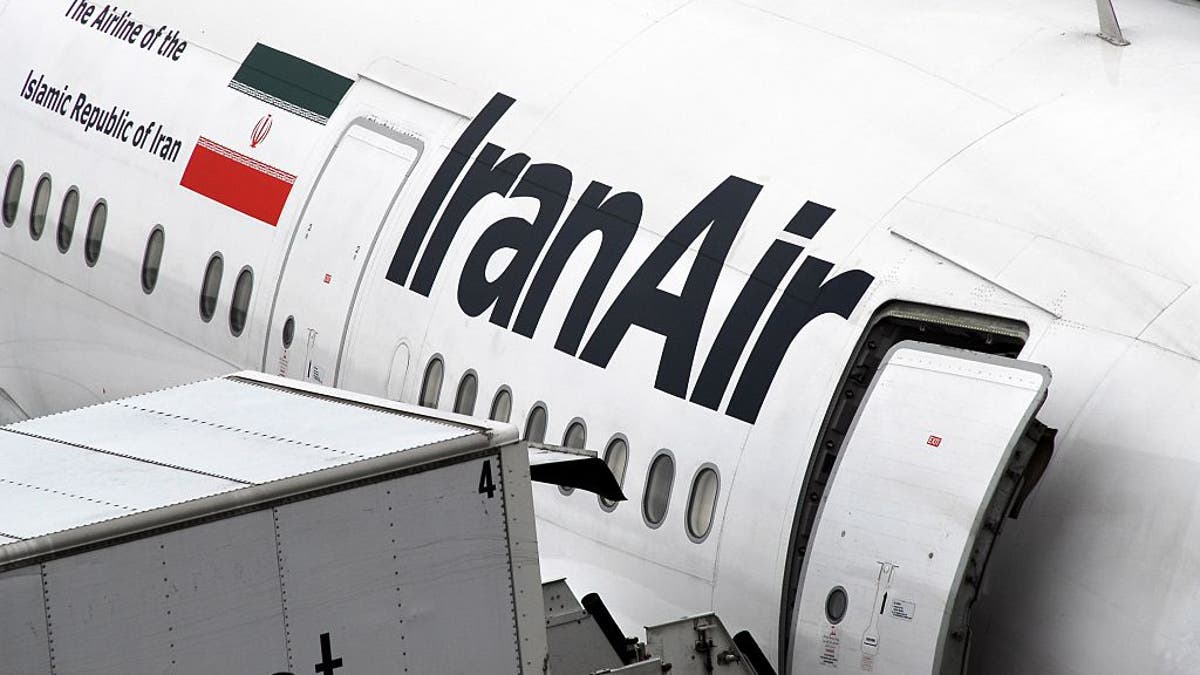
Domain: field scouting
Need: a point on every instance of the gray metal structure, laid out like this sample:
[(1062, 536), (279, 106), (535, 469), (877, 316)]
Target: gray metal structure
[(1110, 28), (256, 525)]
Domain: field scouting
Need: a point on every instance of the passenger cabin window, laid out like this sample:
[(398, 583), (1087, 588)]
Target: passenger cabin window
[(210, 288), (575, 437), (535, 426), (468, 390), (12, 193), (501, 405), (289, 332), (152, 259), (95, 233), (702, 503), (41, 204), (431, 385), (616, 456), (66, 219), (239, 308), (657, 495)]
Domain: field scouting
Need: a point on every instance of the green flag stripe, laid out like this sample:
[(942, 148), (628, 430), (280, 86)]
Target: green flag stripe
[(281, 76)]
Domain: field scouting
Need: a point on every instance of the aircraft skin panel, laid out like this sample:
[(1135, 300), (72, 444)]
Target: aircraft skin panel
[(1177, 328), (1122, 493), (1072, 283), (1093, 290), (1073, 387), (983, 247), (1087, 193), (120, 351)]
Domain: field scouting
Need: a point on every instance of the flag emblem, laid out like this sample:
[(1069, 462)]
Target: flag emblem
[(237, 181), (260, 131), (290, 83), (254, 183)]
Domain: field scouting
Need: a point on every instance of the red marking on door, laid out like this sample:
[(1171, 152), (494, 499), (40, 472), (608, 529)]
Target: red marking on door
[(259, 134), (935, 441), (328, 278)]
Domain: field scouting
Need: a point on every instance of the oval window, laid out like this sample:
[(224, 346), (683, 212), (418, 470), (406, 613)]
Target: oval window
[(702, 503), (657, 496), (12, 193), (468, 390), (152, 259), (66, 219), (575, 437), (210, 288), (835, 605), (289, 332), (501, 406), (431, 386), (95, 233), (41, 204), (535, 426), (616, 456), (239, 307)]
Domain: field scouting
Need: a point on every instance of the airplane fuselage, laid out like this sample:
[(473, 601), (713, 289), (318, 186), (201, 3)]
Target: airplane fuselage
[(671, 224)]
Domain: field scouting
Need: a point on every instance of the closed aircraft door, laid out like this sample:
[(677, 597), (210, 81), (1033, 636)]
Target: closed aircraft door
[(929, 470), (352, 197)]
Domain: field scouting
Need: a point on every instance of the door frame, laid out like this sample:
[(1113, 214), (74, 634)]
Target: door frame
[(374, 124)]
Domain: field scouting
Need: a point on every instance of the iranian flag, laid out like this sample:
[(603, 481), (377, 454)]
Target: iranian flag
[(274, 110)]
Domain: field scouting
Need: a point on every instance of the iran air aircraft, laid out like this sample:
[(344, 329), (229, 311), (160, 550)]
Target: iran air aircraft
[(720, 242)]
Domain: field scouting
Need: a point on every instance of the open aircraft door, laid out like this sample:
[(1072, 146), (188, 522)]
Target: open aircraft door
[(935, 460)]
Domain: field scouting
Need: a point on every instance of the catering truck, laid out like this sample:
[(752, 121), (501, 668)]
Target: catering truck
[(259, 526)]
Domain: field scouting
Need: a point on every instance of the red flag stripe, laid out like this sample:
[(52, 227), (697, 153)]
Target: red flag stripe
[(224, 175)]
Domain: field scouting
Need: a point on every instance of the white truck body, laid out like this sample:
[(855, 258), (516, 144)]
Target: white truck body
[(255, 525)]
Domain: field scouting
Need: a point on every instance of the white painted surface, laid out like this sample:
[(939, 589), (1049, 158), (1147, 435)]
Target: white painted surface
[(354, 194), (181, 444), (23, 628), (409, 573), (101, 478), (412, 573), (989, 111), (31, 511), (905, 501), (414, 564)]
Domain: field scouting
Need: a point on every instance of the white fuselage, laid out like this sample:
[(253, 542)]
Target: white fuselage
[(993, 158)]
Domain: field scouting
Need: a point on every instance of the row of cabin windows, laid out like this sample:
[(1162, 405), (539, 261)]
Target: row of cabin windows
[(151, 258), (67, 214), (660, 479), (210, 291)]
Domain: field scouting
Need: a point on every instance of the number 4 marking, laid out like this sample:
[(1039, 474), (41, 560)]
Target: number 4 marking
[(486, 484)]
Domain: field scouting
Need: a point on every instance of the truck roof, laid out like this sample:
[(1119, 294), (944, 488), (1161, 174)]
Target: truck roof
[(143, 462)]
